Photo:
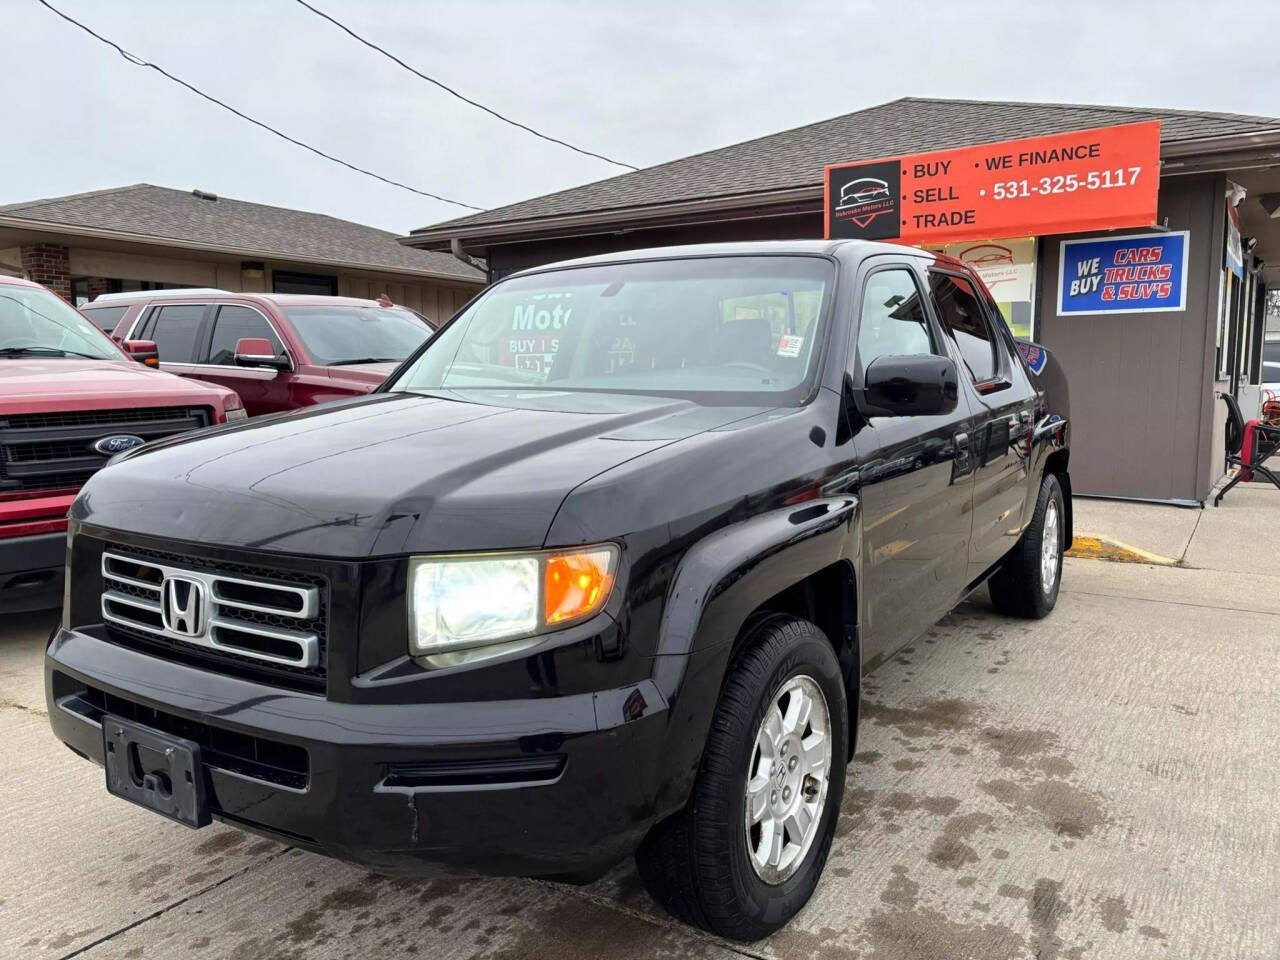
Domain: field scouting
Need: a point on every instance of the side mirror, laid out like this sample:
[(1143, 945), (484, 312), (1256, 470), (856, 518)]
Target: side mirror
[(911, 386), (144, 351), (258, 352)]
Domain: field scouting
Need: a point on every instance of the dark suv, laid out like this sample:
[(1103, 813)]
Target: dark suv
[(599, 572)]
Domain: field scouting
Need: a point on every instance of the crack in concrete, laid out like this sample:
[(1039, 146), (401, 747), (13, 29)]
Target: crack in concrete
[(1178, 603), (1182, 560), (79, 951)]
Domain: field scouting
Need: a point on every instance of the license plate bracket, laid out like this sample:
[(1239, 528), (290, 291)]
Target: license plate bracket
[(155, 770)]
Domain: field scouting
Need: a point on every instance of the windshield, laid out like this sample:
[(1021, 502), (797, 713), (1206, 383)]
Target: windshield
[(346, 333), (34, 322), (714, 328)]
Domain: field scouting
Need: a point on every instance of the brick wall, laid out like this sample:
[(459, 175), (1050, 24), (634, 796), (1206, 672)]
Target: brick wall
[(48, 264), (98, 285)]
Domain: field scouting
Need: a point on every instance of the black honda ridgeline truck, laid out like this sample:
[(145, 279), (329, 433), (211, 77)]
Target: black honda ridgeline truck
[(597, 572)]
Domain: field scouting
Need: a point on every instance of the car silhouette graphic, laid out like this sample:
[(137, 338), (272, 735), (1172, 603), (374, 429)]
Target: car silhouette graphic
[(862, 191), (987, 253)]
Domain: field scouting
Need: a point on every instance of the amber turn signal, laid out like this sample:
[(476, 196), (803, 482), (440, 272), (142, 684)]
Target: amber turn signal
[(576, 585)]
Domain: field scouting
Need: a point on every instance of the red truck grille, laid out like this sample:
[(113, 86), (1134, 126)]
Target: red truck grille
[(54, 451)]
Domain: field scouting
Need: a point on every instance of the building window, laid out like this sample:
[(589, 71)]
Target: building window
[(87, 289), (314, 284)]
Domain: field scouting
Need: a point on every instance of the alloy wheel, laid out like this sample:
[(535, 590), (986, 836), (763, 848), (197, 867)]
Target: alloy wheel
[(1050, 548), (786, 786)]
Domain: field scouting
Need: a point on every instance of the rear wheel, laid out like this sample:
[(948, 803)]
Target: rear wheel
[(746, 852), (1027, 583)]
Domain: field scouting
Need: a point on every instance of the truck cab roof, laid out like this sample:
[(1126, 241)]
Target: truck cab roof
[(826, 248)]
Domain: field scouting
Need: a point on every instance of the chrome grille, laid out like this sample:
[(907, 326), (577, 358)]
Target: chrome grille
[(261, 620)]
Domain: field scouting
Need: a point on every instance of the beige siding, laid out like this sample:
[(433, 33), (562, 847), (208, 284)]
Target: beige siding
[(87, 262), (228, 277), (437, 301)]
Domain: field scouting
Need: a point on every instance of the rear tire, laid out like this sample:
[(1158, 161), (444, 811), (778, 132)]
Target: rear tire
[(746, 852), (1027, 583)]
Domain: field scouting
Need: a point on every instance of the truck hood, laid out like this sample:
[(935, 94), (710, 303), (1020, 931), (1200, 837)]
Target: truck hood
[(361, 377), (37, 385), (388, 473), (363, 372)]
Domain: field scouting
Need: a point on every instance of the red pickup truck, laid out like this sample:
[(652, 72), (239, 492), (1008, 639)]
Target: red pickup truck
[(278, 351), (70, 399)]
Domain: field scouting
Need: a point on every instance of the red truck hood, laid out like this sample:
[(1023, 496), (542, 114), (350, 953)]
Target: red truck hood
[(362, 373), (34, 385)]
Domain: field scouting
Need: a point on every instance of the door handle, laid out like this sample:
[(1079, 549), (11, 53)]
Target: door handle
[(960, 459)]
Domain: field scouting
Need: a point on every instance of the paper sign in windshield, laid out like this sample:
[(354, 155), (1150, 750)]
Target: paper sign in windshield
[(789, 345)]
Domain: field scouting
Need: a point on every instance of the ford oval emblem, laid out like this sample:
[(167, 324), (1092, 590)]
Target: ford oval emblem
[(110, 446)]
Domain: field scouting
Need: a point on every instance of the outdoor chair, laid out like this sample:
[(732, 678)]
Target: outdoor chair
[(1249, 444)]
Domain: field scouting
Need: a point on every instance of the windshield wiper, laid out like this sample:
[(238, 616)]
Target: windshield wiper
[(44, 352), (354, 360)]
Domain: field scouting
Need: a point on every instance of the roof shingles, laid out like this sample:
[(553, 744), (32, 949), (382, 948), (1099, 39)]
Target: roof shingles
[(795, 158), (159, 213)]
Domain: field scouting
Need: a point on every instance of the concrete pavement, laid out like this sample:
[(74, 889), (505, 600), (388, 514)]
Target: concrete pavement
[(1099, 784), (1156, 528)]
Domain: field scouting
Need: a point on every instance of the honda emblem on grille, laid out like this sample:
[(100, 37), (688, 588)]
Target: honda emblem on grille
[(183, 606)]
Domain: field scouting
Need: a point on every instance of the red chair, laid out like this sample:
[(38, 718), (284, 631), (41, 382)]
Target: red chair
[(1249, 444)]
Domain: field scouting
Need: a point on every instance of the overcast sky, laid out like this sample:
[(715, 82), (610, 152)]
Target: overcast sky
[(642, 81)]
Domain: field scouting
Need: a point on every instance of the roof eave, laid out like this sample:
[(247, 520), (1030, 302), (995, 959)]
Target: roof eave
[(629, 218), (100, 233), (1233, 151)]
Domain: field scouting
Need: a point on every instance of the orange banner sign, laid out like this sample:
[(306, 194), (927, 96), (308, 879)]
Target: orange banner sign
[(1066, 183)]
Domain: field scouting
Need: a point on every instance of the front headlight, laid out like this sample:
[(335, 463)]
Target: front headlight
[(457, 603), (237, 413)]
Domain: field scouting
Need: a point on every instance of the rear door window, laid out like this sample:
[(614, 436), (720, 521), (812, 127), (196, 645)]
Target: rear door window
[(235, 323), (176, 331), (966, 323)]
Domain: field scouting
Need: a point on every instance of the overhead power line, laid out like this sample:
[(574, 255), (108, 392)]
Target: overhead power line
[(140, 62), (465, 99)]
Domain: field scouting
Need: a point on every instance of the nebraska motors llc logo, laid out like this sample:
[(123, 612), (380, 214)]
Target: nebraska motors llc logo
[(862, 201)]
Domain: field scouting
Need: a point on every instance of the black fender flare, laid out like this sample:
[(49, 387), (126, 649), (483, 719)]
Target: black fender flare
[(720, 581)]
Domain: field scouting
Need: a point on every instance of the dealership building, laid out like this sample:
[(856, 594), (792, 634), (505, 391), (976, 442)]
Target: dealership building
[(1144, 375)]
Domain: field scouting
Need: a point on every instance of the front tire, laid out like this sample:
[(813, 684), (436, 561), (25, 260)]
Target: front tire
[(1027, 583), (746, 852)]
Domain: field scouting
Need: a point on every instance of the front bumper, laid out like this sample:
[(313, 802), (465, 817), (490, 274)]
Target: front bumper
[(555, 785), (31, 572)]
